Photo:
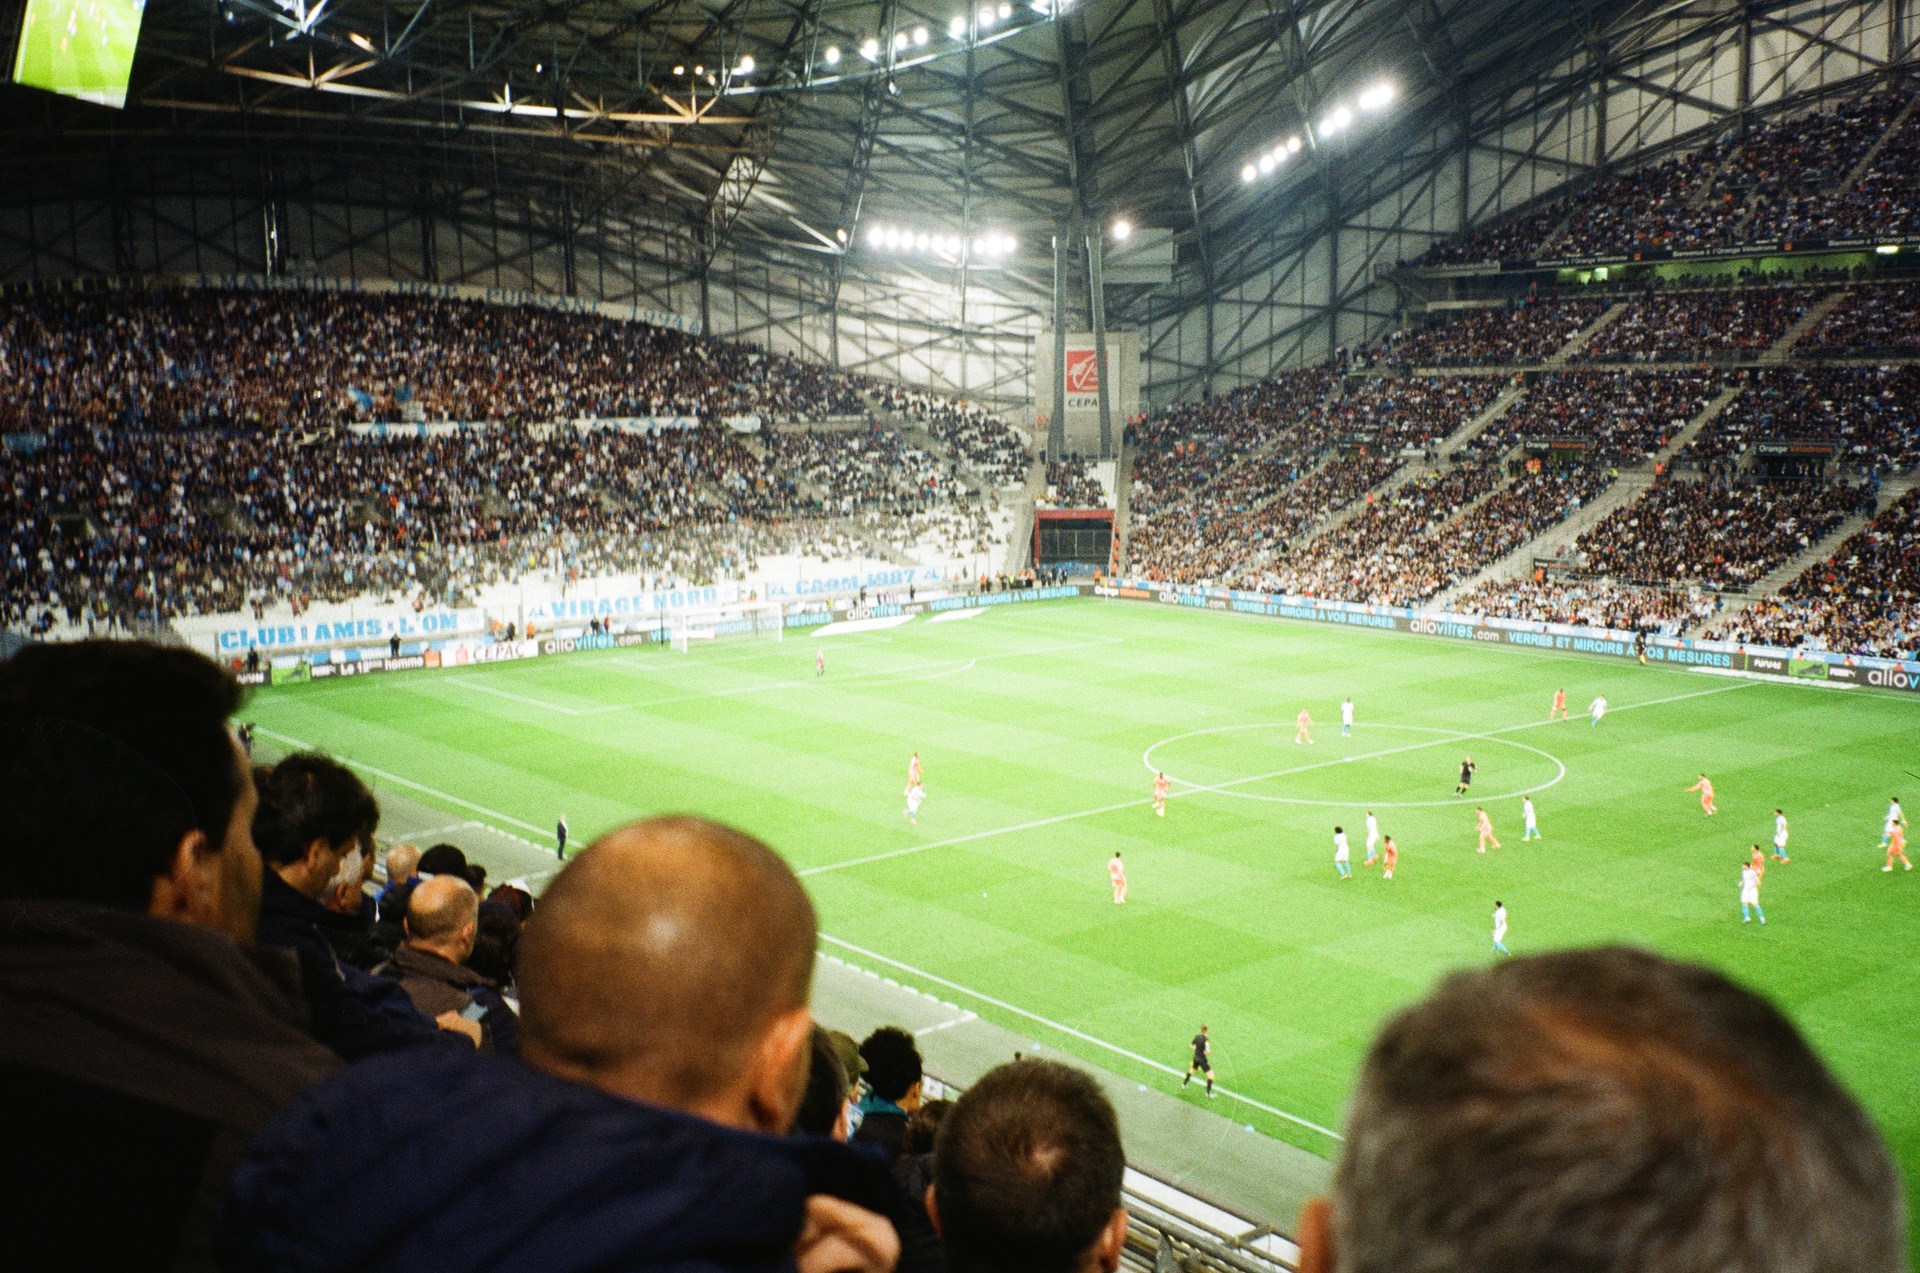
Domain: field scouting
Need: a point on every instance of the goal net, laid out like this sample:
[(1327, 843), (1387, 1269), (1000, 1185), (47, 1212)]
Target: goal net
[(765, 620)]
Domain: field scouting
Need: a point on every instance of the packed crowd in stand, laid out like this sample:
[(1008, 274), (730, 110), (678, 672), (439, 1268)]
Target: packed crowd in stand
[(1589, 602), (1863, 599), (1786, 179), (1447, 550), (1522, 333), (1191, 444), (177, 358), (179, 453), (276, 1048), (1880, 321), (1868, 413), (982, 439), (1721, 535), (1071, 484), (1742, 323), (1624, 417)]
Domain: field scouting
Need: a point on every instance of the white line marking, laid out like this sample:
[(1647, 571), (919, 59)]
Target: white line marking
[(422, 788), (1451, 736), (948, 1024), (518, 698), (1134, 804), (1082, 1035)]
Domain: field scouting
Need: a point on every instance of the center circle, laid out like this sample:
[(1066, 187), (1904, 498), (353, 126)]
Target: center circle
[(1229, 786)]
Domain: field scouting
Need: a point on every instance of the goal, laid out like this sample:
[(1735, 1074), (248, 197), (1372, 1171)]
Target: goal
[(761, 619)]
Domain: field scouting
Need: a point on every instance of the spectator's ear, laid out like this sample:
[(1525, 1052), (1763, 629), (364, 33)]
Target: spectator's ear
[(188, 892), (779, 1078), (1112, 1239), (933, 1213), (1315, 1236)]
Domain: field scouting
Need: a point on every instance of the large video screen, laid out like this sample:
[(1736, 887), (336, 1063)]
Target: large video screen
[(79, 48)]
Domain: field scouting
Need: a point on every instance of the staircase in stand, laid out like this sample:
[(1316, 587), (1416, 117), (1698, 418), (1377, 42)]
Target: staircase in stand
[(1625, 488), (1563, 355), (1807, 558), (1701, 419), (1778, 351)]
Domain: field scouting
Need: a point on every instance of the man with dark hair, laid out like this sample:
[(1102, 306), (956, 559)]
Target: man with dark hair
[(314, 827), (1026, 1174), (1603, 1110), (141, 1044), (664, 982), (894, 1074)]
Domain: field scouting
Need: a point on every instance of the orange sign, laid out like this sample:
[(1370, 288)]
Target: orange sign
[(1083, 371)]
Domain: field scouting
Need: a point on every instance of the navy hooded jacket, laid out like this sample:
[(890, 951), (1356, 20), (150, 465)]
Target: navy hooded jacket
[(435, 1160)]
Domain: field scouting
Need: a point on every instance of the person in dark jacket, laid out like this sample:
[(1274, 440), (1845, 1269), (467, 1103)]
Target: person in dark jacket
[(314, 826), (443, 919), (893, 1089), (665, 1037), (143, 1041)]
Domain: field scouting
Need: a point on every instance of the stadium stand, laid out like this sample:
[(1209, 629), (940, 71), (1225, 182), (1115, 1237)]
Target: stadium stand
[(1785, 180), (1621, 417), (162, 479), (1716, 534), (1863, 599), (1876, 321), (1587, 601), (1740, 324), (1524, 333), (1866, 412)]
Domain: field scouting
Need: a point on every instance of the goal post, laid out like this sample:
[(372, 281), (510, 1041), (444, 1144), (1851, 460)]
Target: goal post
[(762, 620)]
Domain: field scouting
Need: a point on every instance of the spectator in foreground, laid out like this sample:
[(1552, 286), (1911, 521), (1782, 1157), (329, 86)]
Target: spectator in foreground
[(665, 1036), (1608, 1111), (443, 921), (143, 1039), (314, 827), (894, 1073), (1027, 1174)]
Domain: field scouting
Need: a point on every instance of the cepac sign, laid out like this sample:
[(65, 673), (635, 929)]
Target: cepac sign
[(1083, 379)]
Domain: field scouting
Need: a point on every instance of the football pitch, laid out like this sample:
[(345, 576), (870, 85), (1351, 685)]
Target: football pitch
[(1037, 724)]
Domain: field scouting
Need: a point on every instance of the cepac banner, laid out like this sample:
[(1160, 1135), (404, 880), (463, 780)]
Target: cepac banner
[(1083, 379)]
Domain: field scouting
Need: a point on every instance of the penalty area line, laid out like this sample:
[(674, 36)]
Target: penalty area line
[(1081, 1035)]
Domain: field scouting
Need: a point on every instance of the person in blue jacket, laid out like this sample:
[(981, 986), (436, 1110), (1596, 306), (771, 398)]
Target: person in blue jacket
[(665, 1044)]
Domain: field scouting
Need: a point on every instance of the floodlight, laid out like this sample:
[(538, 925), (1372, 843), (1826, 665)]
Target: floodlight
[(1006, 11), (360, 40), (919, 35), (1122, 230), (877, 237), (1266, 163), (956, 26), (833, 55), (746, 66), (679, 70), (1377, 97), (986, 17), (899, 39), (870, 50), (1249, 173), (923, 242), (1293, 145)]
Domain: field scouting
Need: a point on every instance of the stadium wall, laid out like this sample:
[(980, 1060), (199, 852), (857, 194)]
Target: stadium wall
[(1308, 279)]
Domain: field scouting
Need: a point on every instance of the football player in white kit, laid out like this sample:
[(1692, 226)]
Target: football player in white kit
[(1780, 836)]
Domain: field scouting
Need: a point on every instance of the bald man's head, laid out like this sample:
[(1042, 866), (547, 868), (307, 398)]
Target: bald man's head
[(440, 912), (661, 958)]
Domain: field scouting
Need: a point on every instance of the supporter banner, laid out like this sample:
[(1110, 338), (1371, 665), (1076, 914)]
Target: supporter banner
[(903, 577), (637, 423), (226, 638), (633, 604), (437, 291), (415, 428), (742, 423), (360, 667), (1724, 656)]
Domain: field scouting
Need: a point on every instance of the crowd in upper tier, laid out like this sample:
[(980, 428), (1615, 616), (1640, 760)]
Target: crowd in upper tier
[(1784, 180), (1869, 321), (1741, 323), (1522, 333), (1621, 417)]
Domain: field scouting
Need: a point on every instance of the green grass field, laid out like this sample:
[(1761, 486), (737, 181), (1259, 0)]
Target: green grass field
[(1032, 722), (79, 48)]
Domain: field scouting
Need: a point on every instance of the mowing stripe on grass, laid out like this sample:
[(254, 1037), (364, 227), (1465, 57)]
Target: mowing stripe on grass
[(1081, 1035), (1217, 788)]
